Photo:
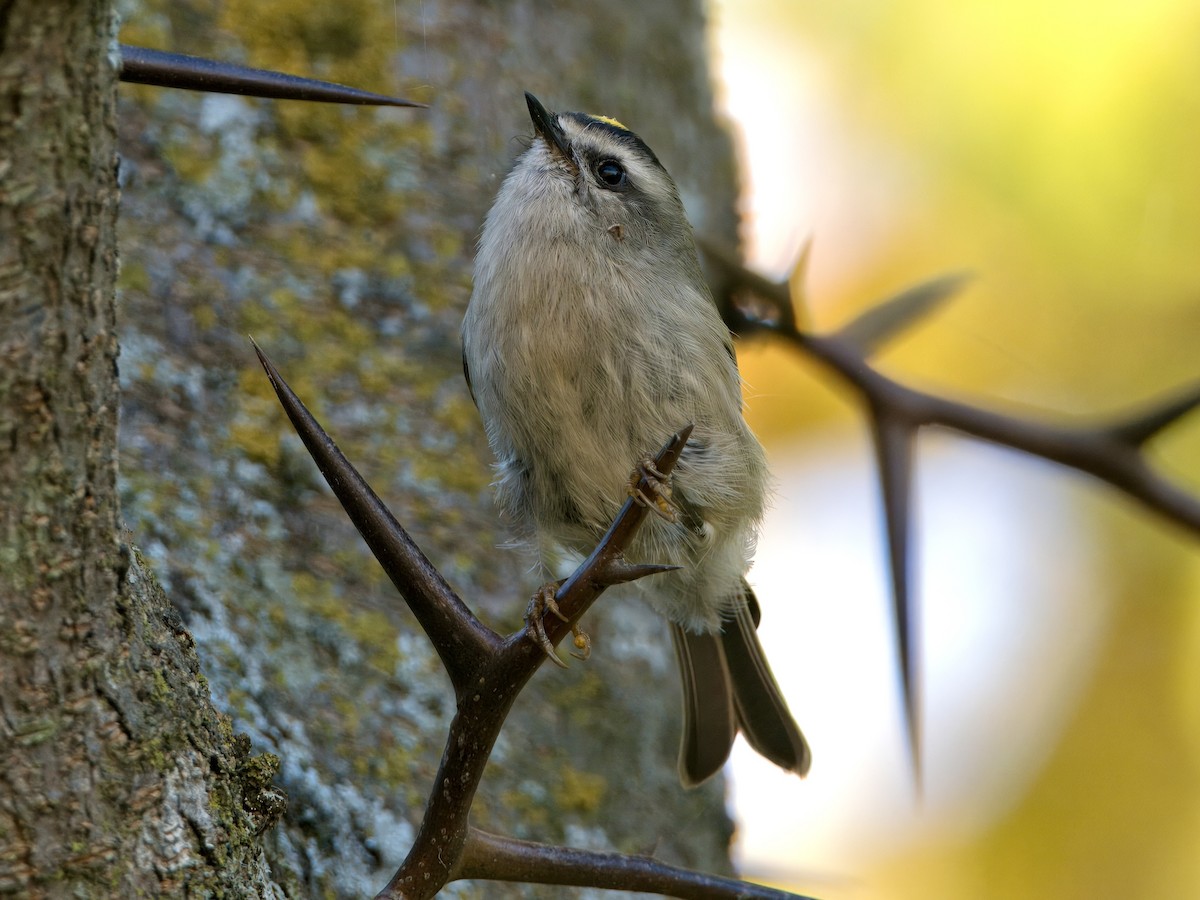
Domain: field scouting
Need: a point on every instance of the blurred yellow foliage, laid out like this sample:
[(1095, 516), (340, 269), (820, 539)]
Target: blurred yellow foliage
[(1052, 149)]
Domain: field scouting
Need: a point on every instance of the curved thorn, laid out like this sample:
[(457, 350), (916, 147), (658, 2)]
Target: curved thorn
[(885, 320), (797, 283), (623, 572), (1143, 426), (140, 65)]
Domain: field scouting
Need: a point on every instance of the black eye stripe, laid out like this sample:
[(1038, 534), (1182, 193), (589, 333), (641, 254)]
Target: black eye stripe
[(621, 135)]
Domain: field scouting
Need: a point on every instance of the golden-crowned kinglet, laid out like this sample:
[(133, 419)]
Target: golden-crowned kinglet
[(590, 334)]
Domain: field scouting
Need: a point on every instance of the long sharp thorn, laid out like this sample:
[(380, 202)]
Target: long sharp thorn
[(894, 449), (140, 65), (460, 639), (625, 572)]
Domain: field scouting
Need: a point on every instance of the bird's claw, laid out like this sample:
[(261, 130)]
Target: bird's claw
[(659, 500), (582, 642), (541, 603)]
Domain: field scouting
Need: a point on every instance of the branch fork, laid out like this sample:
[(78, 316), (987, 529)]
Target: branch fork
[(1113, 452), (488, 672)]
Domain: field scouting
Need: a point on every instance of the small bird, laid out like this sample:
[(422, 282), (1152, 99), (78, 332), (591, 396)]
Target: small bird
[(591, 334)]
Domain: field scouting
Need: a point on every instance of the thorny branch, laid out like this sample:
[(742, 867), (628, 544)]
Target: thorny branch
[(1112, 451), (506, 859), (488, 673)]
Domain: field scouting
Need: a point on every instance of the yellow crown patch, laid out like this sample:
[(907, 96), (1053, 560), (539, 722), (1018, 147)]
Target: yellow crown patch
[(609, 120)]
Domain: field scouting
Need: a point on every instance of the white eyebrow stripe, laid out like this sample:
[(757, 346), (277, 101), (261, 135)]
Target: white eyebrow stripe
[(646, 174)]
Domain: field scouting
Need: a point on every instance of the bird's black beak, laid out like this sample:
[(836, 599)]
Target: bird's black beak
[(547, 127)]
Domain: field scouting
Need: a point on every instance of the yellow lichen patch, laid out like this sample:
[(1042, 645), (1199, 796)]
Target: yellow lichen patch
[(133, 276), (580, 792), (370, 629)]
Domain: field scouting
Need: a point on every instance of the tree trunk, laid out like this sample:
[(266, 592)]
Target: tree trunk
[(116, 775)]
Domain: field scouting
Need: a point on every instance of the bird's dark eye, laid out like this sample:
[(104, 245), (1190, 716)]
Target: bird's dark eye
[(611, 173)]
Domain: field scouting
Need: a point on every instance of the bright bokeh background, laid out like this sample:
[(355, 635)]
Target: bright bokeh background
[(1053, 150)]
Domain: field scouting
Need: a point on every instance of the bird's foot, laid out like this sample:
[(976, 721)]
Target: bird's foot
[(582, 643), (657, 496), (541, 603)]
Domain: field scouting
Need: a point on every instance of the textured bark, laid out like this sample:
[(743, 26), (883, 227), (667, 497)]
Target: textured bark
[(117, 778), (343, 240)]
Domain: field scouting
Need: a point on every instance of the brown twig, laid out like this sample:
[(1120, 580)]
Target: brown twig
[(1110, 451), (507, 859)]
